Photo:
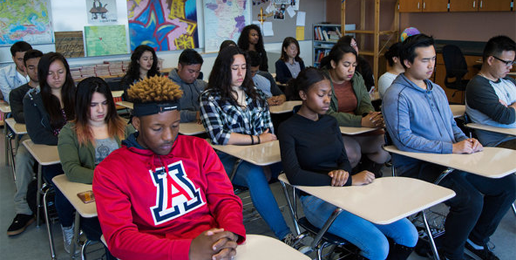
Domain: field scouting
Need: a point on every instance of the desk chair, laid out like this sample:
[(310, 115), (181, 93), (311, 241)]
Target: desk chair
[(456, 68), (321, 238)]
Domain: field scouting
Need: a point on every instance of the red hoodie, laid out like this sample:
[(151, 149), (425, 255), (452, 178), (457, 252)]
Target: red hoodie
[(148, 211)]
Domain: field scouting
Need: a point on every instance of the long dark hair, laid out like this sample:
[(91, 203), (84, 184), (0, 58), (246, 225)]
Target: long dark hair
[(83, 96), (243, 40), (336, 54), (133, 71), (220, 76), (286, 42), (51, 103)]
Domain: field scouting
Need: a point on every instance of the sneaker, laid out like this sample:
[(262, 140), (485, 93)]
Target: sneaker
[(482, 254), (20, 223), (290, 240), (67, 239)]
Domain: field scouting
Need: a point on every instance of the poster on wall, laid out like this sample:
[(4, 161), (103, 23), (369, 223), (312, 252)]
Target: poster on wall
[(105, 40), (101, 11), (25, 20), (224, 20), (70, 44), (163, 24)]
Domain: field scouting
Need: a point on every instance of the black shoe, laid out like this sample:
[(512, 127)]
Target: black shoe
[(20, 223), (482, 254)]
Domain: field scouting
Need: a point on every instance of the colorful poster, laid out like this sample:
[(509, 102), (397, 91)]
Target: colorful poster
[(101, 11), (25, 20), (70, 44), (163, 24), (224, 20), (105, 40)]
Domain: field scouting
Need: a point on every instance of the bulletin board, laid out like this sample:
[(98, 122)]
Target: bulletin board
[(315, 13)]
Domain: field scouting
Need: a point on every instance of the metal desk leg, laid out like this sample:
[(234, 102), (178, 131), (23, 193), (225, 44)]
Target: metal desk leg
[(76, 230), (430, 237), (38, 196)]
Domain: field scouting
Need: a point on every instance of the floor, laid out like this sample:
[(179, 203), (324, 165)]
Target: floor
[(33, 243)]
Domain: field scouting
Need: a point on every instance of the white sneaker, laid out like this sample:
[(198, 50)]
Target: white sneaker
[(67, 239)]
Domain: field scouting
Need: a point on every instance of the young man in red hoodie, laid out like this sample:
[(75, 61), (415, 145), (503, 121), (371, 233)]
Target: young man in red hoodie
[(164, 195)]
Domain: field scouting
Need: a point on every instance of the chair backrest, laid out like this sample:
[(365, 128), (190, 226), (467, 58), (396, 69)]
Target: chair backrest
[(454, 62)]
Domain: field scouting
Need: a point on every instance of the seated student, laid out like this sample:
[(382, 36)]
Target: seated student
[(491, 95), (47, 110), (395, 68), (144, 63), (188, 69), (226, 43), (14, 75), (419, 119), (24, 161), (363, 65), (234, 112), (164, 195), (251, 39), (313, 154), (272, 92), (289, 64), (92, 136), (351, 105)]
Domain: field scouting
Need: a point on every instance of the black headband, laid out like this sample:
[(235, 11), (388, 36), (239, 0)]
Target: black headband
[(145, 109)]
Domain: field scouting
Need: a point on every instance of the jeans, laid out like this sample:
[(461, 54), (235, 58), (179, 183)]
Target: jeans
[(252, 177), (476, 210), (370, 238), (24, 175), (64, 208)]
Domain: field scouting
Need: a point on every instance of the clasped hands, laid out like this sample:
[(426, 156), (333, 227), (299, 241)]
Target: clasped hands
[(340, 177), (373, 119), (214, 244)]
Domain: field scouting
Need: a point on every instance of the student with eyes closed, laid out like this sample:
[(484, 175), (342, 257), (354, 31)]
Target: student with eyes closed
[(144, 63)]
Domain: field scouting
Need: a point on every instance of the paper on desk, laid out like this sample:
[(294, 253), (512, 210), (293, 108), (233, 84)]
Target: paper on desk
[(300, 33), (300, 20), (267, 29), (290, 11)]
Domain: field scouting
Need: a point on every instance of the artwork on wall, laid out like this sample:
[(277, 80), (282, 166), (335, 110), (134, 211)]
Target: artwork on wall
[(163, 24), (25, 20), (70, 44), (105, 40), (101, 11)]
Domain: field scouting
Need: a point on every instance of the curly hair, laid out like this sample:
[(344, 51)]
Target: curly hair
[(243, 40), (156, 89)]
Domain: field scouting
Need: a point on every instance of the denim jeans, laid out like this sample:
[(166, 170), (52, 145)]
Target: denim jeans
[(477, 208), (370, 238), (252, 177)]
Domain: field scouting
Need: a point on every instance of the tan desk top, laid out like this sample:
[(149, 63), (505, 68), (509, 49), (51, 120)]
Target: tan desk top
[(259, 247), (44, 154), (512, 73), (4, 107), (349, 130), (70, 190), (384, 201), (18, 129), (125, 104), (191, 128), (458, 110), (286, 107), (500, 130), (493, 162), (259, 154)]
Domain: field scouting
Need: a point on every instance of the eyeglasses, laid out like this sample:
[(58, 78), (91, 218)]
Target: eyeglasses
[(507, 62)]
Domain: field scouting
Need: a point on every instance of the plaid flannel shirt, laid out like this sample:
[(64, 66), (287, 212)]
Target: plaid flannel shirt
[(220, 119)]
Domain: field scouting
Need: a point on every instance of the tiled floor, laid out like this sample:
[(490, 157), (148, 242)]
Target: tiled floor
[(33, 243)]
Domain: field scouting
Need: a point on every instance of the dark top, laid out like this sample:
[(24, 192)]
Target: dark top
[(264, 65), (311, 149), (365, 70), (16, 102), (283, 74), (37, 119)]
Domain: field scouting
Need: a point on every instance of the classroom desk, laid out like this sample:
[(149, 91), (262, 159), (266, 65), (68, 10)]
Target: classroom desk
[(511, 73), (286, 107), (259, 154), (17, 129), (125, 104), (70, 191), (500, 130), (5, 107), (349, 130), (458, 110), (258, 247), (481, 163), (191, 128)]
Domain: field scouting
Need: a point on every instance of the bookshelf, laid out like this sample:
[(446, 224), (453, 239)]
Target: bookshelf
[(324, 37)]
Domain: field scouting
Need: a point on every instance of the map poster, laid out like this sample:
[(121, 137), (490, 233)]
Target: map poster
[(163, 24), (70, 44), (105, 40), (101, 11), (224, 20), (25, 20)]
